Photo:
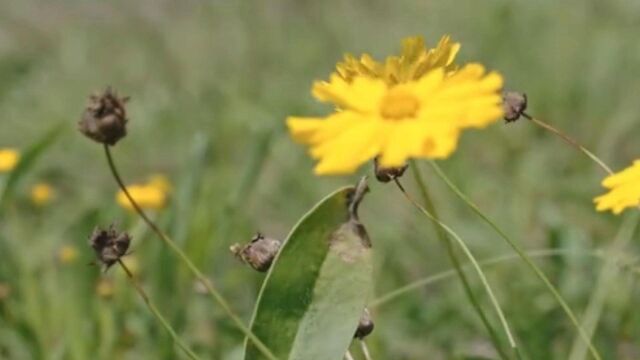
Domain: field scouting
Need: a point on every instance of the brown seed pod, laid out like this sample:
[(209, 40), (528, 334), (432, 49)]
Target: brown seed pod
[(105, 118), (513, 104), (365, 326), (109, 245), (259, 253), (386, 175)]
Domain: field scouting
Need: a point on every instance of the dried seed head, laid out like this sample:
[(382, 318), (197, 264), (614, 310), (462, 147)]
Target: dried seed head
[(104, 119), (365, 326), (259, 253), (388, 174), (109, 245), (513, 104)]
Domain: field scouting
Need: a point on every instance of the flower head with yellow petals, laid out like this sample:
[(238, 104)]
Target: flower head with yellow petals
[(8, 159), (151, 195), (42, 194), (624, 190), (415, 60), (416, 119)]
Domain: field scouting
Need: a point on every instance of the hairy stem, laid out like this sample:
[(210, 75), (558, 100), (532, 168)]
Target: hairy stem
[(185, 259), (154, 310)]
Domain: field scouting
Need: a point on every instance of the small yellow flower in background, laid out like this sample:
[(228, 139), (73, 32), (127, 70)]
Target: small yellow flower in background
[(415, 60), (416, 119), (105, 288), (8, 159), (624, 190), (151, 195), (42, 194), (67, 254)]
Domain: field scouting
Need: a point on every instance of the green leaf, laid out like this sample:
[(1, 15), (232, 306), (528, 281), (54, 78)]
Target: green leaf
[(318, 285)]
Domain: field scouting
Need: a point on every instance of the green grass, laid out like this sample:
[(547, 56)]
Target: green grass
[(211, 84)]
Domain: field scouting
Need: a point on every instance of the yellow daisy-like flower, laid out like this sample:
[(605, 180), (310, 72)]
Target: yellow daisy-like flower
[(417, 119), (8, 159), (42, 194), (624, 190), (151, 195), (415, 60)]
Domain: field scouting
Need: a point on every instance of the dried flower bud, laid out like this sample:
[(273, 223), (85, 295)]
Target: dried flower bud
[(105, 118), (259, 253), (109, 245), (365, 326), (513, 104), (387, 174)]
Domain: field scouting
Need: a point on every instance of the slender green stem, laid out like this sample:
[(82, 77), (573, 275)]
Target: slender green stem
[(348, 356), (552, 289), (473, 260), (185, 259), (365, 350), (442, 235), (154, 310)]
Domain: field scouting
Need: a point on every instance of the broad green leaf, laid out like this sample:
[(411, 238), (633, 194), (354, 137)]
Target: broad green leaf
[(318, 285)]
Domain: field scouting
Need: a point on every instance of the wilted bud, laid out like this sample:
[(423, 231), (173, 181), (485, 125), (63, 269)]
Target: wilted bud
[(513, 104), (109, 245), (365, 326), (387, 174), (105, 118), (259, 253)]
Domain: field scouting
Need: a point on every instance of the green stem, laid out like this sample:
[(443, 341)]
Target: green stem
[(442, 235), (472, 258), (154, 310), (552, 289), (185, 259)]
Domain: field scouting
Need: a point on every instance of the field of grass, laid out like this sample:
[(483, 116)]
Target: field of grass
[(211, 84)]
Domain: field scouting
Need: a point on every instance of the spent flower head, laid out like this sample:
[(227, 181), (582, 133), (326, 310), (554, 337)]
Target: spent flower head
[(259, 253), (624, 190), (109, 245), (105, 118), (8, 159), (417, 119)]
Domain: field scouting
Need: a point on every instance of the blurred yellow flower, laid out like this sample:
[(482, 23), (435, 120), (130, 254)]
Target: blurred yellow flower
[(8, 159), (421, 119), (415, 60), (105, 288), (67, 254), (151, 195), (624, 190), (42, 194)]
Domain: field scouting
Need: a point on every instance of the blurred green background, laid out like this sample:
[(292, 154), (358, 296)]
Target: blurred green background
[(211, 84)]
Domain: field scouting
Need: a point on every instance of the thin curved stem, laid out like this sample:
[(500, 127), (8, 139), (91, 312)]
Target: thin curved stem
[(185, 259), (348, 356), (154, 310), (569, 141), (473, 260), (365, 350), (552, 289), (447, 243)]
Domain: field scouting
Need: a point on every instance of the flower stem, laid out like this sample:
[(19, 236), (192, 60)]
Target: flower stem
[(569, 141), (185, 259), (154, 310), (365, 350), (474, 262), (552, 289), (442, 235)]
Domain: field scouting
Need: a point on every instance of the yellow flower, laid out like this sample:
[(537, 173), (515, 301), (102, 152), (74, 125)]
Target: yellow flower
[(67, 254), (8, 159), (150, 195), (414, 62), (105, 288), (417, 119), (624, 190), (42, 194)]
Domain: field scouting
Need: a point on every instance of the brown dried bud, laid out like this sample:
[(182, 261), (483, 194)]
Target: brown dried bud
[(387, 174), (259, 253), (105, 118), (365, 326), (109, 245), (514, 104)]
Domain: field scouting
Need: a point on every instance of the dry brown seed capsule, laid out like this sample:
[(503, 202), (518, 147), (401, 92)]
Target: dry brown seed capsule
[(259, 253), (513, 104), (387, 174), (365, 326), (105, 118), (109, 245)]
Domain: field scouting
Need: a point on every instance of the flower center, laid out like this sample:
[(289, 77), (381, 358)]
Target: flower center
[(399, 104)]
